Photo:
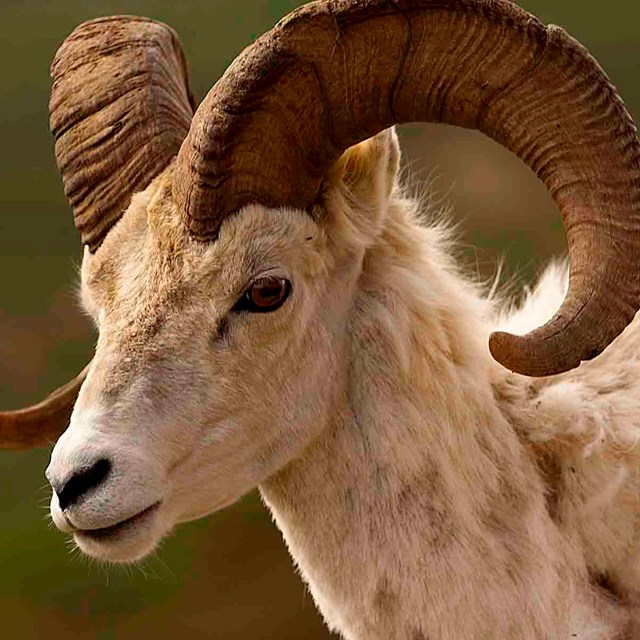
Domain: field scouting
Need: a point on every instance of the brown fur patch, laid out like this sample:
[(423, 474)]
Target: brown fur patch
[(385, 600)]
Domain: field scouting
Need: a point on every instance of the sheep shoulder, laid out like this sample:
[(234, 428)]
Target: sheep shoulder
[(583, 429)]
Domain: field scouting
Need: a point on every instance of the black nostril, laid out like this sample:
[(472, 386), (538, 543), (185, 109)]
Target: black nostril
[(82, 481)]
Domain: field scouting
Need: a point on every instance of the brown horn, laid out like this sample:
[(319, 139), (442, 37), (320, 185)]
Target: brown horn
[(40, 425), (120, 109), (336, 72)]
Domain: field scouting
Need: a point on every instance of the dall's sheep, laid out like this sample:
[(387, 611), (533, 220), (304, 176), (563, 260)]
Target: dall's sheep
[(272, 313)]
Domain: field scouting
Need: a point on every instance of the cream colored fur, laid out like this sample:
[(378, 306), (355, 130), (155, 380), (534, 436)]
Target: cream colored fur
[(424, 492)]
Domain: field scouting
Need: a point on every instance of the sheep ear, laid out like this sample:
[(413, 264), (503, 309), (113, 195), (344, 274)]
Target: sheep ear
[(369, 170)]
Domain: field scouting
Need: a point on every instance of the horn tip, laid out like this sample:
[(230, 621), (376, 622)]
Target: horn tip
[(526, 356)]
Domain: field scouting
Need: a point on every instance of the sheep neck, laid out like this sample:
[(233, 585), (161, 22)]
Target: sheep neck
[(417, 513)]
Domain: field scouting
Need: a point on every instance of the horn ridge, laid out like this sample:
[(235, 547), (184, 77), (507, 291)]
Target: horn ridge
[(120, 84), (255, 71)]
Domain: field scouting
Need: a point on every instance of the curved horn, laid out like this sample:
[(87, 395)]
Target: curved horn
[(338, 71), (120, 109), (40, 425)]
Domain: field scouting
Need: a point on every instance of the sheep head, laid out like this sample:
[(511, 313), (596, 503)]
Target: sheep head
[(187, 401), (229, 258)]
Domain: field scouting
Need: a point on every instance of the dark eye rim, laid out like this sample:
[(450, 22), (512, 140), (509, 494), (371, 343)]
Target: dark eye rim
[(246, 305)]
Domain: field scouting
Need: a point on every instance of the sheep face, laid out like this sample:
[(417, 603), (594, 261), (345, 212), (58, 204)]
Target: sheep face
[(193, 399)]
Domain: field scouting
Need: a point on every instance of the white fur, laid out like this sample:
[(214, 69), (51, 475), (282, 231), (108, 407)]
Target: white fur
[(424, 492)]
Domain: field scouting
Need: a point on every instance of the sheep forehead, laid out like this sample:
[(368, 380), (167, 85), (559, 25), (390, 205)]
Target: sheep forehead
[(149, 260)]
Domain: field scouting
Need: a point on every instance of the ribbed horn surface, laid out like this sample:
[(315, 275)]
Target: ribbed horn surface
[(120, 109)]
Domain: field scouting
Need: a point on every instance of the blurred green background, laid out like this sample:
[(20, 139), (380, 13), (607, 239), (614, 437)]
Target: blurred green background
[(227, 576)]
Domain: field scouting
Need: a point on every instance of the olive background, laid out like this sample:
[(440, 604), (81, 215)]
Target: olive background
[(229, 575)]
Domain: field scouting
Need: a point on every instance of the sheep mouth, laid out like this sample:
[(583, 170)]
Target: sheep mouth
[(120, 529)]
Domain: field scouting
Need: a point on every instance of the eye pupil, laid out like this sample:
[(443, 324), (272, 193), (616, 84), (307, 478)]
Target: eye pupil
[(266, 294)]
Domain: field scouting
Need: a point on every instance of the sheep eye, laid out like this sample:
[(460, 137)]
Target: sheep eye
[(265, 294)]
